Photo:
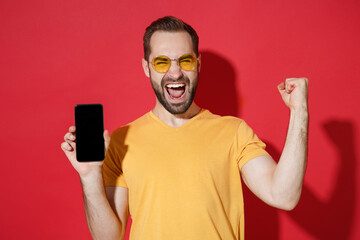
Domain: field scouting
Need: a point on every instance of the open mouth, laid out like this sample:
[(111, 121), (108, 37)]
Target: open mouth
[(175, 90)]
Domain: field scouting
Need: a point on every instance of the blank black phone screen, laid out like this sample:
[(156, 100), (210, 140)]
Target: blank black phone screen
[(89, 125)]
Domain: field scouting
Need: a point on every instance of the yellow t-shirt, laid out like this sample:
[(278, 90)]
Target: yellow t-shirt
[(184, 182)]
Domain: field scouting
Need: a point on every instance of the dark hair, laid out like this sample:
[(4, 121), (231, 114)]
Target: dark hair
[(169, 24)]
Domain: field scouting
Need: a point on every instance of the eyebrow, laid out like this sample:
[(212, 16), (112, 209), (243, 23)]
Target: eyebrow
[(162, 58), (186, 56)]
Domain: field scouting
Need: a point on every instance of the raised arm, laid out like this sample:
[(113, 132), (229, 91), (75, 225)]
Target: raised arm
[(280, 185), (106, 210)]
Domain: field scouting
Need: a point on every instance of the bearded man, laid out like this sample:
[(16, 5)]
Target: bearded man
[(178, 168)]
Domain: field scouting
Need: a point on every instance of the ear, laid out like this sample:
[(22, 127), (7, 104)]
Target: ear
[(199, 63), (145, 65)]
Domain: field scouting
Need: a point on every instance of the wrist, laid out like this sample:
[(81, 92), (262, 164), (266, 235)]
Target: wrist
[(92, 183), (301, 112), (299, 119), (92, 175)]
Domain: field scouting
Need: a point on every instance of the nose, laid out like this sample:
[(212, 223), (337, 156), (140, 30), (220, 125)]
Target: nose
[(175, 70)]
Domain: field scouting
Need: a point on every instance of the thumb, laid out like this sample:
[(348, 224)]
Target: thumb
[(281, 87), (107, 139)]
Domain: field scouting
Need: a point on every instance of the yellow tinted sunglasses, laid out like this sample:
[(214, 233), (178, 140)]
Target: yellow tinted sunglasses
[(162, 64)]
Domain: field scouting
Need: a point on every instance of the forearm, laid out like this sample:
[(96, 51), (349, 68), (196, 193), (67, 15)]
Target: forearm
[(289, 173), (101, 219)]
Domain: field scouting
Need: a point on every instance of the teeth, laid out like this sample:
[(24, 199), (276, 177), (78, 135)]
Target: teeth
[(175, 85)]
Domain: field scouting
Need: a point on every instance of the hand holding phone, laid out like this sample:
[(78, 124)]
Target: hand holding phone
[(70, 149)]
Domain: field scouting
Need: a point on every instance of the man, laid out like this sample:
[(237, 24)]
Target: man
[(178, 167)]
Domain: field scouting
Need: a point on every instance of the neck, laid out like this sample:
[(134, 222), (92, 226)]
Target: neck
[(175, 120)]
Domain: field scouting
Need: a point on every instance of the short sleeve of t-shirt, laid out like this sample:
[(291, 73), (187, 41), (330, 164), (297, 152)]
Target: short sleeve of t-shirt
[(247, 145), (112, 166)]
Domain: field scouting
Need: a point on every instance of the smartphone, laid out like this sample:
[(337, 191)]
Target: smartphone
[(89, 123)]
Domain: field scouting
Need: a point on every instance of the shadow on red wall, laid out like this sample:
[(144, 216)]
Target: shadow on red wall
[(216, 90), (332, 219)]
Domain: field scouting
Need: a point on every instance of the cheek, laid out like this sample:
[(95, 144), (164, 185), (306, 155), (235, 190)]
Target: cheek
[(193, 77), (156, 78)]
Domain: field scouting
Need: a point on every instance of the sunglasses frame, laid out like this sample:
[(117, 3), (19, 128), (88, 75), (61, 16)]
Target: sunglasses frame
[(174, 59)]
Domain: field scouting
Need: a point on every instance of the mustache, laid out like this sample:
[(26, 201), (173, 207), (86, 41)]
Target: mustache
[(166, 80)]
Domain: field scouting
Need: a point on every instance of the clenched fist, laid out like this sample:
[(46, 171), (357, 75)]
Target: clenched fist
[(294, 92)]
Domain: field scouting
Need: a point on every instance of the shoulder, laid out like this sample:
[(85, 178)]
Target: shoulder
[(215, 119), (228, 124), (124, 130)]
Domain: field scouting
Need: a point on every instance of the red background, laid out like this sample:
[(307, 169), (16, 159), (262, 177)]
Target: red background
[(55, 54)]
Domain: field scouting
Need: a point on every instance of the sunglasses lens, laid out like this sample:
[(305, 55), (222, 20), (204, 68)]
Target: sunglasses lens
[(161, 64), (187, 62)]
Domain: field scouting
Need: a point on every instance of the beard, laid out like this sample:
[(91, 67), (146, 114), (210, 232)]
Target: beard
[(175, 108)]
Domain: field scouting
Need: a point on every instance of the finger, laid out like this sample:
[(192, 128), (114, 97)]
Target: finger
[(290, 84), (70, 140), (72, 129), (289, 88), (106, 138), (297, 82), (304, 81), (281, 86), (66, 147), (69, 137)]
